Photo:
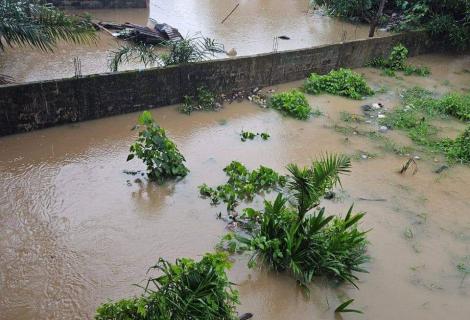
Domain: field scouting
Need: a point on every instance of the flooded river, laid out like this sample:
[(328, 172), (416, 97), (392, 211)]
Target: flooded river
[(250, 30), (76, 231)]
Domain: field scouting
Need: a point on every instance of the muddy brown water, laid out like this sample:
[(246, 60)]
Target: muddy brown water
[(76, 231), (250, 29)]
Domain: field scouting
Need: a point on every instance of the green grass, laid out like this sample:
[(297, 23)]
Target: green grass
[(342, 82)]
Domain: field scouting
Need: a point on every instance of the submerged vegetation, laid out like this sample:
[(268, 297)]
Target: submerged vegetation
[(248, 135), (288, 235), (186, 289), (342, 82), (419, 106), (157, 151), (396, 61), (190, 49), (292, 103), (242, 184), (204, 100)]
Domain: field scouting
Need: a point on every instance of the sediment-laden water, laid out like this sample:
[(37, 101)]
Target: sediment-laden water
[(250, 29), (76, 231)]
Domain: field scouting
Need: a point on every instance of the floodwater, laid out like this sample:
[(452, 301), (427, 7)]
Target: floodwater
[(250, 29), (76, 231)]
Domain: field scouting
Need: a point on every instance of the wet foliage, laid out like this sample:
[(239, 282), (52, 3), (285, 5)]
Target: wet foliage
[(157, 151), (292, 103), (288, 235), (204, 100), (186, 289), (342, 82), (248, 135), (447, 22), (190, 49), (396, 61), (420, 106), (242, 184)]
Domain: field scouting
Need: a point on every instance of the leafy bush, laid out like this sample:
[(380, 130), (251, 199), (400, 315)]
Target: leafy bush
[(159, 153), (204, 100), (187, 289), (242, 184), (292, 103), (397, 62), (285, 236), (342, 82), (447, 22)]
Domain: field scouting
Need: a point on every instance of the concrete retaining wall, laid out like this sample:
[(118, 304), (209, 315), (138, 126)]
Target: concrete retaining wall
[(36, 105)]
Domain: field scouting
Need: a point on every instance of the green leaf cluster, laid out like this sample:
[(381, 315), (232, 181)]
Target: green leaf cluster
[(342, 82), (40, 25), (157, 151), (287, 236), (247, 135), (186, 289), (292, 103), (242, 184), (397, 62)]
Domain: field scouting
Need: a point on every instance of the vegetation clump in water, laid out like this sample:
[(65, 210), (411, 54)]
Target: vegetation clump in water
[(242, 184), (292, 103), (157, 151), (397, 62), (204, 100), (247, 135), (288, 236), (186, 289), (342, 82), (419, 105)]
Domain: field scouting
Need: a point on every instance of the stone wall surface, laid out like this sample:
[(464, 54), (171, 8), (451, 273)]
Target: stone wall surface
[(36, 105)]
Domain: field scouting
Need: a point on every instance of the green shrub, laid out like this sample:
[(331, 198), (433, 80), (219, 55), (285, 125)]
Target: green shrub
[(187, 289), (204, 100), (397, 62), (157, 151), (287, 236), (242, 184), (292, 103), (342, 82)]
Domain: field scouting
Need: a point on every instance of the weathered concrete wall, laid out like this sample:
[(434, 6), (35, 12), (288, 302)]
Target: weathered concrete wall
[(44, 104), (99, 4)]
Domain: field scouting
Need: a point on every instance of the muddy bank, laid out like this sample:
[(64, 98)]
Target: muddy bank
[(249, 30), (77, 231)]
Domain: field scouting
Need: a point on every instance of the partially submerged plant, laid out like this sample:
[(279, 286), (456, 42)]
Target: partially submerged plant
[(343, 308), (247, 135), (204, 100), (242, 184), (186, 289), (458, 150), (187, 50), (292, 103), (157, 151), (342, 82), (397, 62), (287, 236)]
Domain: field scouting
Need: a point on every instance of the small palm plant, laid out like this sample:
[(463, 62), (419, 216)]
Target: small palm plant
[(288, 236)]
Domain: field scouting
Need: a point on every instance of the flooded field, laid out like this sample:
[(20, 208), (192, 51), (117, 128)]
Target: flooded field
[(76, 231), (250, 30)]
